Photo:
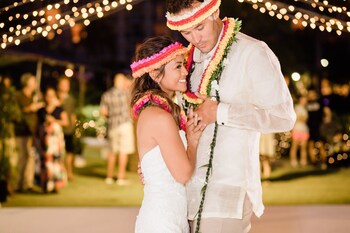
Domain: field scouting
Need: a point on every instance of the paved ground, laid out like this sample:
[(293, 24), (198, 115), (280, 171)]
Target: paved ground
[(277, 219)]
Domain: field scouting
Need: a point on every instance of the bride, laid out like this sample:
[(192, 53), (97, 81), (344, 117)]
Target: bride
[(167, 154)]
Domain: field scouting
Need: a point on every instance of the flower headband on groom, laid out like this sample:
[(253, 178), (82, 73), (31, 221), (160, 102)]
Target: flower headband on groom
[(155, 61), (192, 17)]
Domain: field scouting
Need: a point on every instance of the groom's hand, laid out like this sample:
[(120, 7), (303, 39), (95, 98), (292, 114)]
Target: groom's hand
[(207, 110), (139, 172)]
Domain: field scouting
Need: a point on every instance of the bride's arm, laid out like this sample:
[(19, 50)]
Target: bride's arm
[(162, 127)]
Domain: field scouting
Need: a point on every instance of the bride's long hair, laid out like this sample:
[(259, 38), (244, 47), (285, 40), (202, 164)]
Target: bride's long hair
[(145, 84)]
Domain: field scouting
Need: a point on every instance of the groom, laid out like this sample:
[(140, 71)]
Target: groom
[(239, 91)]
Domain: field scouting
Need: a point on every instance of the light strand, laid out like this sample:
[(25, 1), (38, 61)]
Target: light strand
[(298, 15), (15, 4), (325, 6), (84, 13)]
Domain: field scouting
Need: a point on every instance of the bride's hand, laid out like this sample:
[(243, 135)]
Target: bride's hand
[(194, 128)]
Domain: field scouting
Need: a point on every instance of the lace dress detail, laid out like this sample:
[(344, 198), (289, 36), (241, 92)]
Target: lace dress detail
[(164, 205)]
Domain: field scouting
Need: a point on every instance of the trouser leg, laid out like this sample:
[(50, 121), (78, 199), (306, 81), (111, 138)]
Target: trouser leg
[(227, 225)]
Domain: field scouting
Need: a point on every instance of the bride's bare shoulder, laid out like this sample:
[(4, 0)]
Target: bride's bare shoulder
[(153, 114)]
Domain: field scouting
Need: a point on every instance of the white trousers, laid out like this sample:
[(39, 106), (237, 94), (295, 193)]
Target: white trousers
[(227, 225)]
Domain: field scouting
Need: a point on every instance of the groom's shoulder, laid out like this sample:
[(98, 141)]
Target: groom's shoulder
[(246, 44), (246, 40)]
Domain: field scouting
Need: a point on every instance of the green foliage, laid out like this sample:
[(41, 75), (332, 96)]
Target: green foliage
[(4, 162), (90, 122), (9, 113)]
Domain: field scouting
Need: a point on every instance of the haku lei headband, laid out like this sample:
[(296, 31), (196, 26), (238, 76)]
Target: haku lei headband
[(193, 17), (155, 61)]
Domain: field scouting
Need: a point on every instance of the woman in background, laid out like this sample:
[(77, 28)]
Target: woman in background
[(51, 119)]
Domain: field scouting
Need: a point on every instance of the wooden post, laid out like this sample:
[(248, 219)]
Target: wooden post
[(39, 69), (82, 86)]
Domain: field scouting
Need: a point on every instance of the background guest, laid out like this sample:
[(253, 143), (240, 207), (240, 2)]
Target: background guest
[(25, 130), (68, 103), (115, 107)]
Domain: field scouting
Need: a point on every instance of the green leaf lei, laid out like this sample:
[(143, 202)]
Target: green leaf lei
[(216, 75)]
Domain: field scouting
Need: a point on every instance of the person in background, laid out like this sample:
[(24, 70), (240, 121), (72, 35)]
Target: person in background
[(115, 107), (267, 153), (300, 134), (25, 130), (331, 134), (51, 119), (68, 104), (6, 82), (315, 111)]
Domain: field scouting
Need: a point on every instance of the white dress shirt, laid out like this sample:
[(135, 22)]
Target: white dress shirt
[(254, 99)]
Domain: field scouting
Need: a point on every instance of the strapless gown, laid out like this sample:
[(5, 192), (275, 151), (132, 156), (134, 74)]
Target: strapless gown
[(164, 205)]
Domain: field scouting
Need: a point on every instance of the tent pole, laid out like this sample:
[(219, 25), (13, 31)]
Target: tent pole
[(39, 68), (82, 86)]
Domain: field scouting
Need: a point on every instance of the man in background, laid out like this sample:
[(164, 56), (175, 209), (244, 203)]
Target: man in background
[(68, 104), (25, 130), (115, 107)]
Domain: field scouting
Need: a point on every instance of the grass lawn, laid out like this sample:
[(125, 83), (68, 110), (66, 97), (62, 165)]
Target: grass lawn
[(307, 186), (287, 187), (87, 189)]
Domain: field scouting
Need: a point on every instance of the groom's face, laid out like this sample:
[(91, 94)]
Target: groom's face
[(204, 35)]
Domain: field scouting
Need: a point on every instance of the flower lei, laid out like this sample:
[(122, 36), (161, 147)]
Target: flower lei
[(216, 64), (151, 99), (210, 80)]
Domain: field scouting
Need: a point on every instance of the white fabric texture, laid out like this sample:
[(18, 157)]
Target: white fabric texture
[(164, 205), (254, 99)]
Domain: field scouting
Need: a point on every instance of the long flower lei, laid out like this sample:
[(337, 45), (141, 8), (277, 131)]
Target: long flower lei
[(151, 99), (210, 79), (216, 64)]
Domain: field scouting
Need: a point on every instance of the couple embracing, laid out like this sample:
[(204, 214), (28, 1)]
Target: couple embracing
[(200, 161)]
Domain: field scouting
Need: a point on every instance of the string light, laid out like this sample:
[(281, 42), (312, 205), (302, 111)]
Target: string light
[(48, 21), (15, 4), (325, 6), (38, 12), (304, 17)]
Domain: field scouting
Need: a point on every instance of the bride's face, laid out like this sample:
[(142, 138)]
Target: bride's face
[(174, 78)]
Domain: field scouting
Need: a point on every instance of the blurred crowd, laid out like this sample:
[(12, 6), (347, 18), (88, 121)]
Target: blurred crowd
[(320, 136), (37, 131), (36, 134)]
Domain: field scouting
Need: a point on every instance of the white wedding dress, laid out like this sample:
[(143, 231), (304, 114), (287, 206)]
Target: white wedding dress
[(164, 205)]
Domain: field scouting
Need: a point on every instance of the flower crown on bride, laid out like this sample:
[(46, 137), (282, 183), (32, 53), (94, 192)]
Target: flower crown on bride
[(192, 17), (155, 61)]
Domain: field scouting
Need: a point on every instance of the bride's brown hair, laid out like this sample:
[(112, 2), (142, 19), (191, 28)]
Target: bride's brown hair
[(145, 84)]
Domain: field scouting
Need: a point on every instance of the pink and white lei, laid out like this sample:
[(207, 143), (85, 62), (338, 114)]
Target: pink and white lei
[(193, 16), (155, 61), (150, 99)]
